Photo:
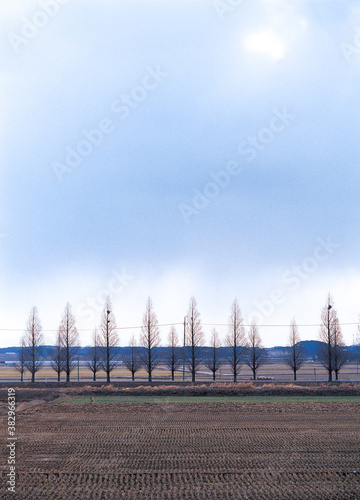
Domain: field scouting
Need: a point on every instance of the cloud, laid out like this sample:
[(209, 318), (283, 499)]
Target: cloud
[(267, 43), (120, 205)]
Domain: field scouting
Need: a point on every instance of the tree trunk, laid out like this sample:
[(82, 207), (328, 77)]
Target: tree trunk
[(33, 361), (107, 356), (67, 360), (94, 377), (133, 376), (294, 374), (193, 364), (214, 375), (149, 363), (330, 375)]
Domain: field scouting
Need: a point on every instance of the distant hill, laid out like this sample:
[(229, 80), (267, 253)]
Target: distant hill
[(312, 348)]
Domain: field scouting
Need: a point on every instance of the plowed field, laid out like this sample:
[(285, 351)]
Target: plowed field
[(211, 450)]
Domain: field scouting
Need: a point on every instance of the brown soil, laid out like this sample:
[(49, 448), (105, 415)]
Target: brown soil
[(187, 451)]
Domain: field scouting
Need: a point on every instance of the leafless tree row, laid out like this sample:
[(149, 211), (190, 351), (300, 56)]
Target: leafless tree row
[(240, 348), (332, 355)]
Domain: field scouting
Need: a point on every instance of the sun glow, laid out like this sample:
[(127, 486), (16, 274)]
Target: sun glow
[(266, 42)]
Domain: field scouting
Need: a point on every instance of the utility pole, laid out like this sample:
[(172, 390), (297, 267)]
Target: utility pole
[(184, 349), (329, 344), (107, 348), (78, 370)]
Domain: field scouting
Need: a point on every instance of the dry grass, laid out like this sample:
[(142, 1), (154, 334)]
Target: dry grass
[(41, 392)]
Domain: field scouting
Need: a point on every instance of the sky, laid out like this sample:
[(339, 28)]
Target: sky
[(175, 149)]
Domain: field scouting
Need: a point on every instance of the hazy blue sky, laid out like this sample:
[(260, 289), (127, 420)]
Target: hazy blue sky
[(179, 148)]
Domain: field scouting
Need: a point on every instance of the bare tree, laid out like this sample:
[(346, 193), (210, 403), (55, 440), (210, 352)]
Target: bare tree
[(20, 365), (327, 332), (213, 359), (69, 339), (194, 339), (108, 340), (255, 355), (235, 340), (132, 360), (57, 358), (94, 361), (33, 340), (174, 356), (339, 349), (150, 340), (295, 354)]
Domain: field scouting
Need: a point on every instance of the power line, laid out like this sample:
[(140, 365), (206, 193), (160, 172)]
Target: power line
[(87, 329), (264, 326), (176, 324)]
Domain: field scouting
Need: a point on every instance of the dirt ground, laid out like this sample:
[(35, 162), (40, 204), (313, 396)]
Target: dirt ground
[(261, 450)]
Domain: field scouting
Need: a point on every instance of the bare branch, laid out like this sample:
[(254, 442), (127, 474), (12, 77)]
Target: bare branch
[(255, 356), (150, 340), (57, 356), (94, 361), (194, 339), (108, 340), (33, 340), (213, 360), (20, 365), (332, 354), (132, 360), (295, 355), (339, 349), (69, 339), (175, 354), (235, 340)]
